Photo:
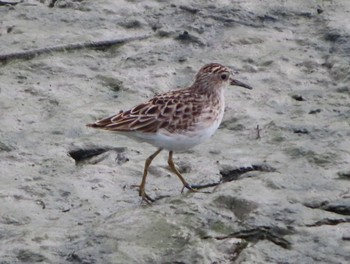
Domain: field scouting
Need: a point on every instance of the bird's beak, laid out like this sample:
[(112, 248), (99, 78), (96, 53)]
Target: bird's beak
[(238, 83)]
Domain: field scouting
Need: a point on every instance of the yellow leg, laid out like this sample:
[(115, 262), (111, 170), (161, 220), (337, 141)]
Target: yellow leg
[(175, 170), (142, 191)]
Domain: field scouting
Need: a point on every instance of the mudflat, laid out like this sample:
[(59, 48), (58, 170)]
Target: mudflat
[(280, 161)]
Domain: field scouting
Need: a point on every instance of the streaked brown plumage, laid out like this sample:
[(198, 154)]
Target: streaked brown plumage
[(176, 120)]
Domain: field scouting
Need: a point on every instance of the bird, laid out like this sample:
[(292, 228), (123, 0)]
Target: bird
[(176, 120)]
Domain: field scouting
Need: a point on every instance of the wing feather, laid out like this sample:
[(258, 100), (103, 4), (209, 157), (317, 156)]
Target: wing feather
[(171, 111)]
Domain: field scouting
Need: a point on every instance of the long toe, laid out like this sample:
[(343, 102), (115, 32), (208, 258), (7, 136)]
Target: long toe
[(189, 187), (145, 197)]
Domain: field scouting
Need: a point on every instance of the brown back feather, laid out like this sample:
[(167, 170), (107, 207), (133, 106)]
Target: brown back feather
[(171, 111)]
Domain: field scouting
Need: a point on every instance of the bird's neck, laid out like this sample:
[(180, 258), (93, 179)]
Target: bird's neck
[(208, 89)]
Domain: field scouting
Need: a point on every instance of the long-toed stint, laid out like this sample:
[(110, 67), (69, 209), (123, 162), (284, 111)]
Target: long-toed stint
[(177, 120)]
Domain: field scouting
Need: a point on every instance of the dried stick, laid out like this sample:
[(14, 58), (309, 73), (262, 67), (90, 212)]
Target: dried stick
[(258, 129), (29, 54)]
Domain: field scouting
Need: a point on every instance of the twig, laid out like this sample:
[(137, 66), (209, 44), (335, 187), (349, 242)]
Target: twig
[(258, 132), (29, 54)]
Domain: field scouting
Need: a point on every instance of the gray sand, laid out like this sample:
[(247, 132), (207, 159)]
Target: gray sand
[(296, 55)]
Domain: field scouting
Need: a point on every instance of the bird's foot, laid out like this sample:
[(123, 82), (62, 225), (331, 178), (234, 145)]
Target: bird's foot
[(145, 197), (189, 187)]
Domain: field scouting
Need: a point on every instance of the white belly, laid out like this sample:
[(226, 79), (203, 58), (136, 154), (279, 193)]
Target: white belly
[(178, 142)]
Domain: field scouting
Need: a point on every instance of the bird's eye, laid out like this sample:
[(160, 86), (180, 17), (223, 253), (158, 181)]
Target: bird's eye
[(224, 76)]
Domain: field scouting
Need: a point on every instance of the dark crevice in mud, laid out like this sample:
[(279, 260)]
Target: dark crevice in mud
[(232, 174), (75, 258), (5, 3), (298, 97), (97, 45), (254, 235), (238, 250), (328, 221), (341, 206), (86, 154), (186, 37)]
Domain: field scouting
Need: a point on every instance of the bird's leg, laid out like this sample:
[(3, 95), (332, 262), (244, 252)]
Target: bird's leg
[(142, 191), (175, 170)]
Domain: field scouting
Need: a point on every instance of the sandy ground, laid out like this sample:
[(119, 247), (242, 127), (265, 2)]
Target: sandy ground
[(296, 55)]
